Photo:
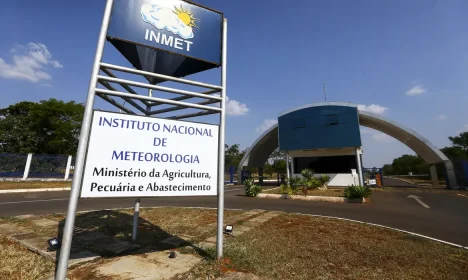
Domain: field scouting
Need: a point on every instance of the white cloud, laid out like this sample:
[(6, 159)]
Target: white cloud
[(166, 18), (268, 123), (440, 117), (373, 108), (365, 130), (376, 135), (416, 90), (235, 108), (30, 64), (463, 129), (381, 137)]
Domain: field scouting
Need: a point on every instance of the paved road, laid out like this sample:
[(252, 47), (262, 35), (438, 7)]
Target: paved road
[(446, 219), (392, 182)]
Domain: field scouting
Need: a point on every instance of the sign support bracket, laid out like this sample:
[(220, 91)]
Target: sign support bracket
[(136, 215)]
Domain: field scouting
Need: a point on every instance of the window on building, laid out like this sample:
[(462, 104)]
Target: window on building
[(332, 119), (299, 124)]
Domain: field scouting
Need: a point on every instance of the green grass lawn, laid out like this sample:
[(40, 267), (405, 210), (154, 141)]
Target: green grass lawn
[(288, 246), (303, 247), (6, 185), (18, 263)]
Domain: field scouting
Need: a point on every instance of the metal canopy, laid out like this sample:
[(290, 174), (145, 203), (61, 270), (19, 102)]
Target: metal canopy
[(144, 103), (157, 61), (261, 149)]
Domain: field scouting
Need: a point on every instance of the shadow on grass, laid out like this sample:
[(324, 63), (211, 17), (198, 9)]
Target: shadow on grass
[(108, 233)]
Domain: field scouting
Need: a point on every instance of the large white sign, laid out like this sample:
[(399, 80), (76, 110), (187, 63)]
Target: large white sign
[(134, 156)]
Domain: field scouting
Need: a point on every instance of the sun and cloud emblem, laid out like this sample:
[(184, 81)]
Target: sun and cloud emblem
[(170, 17)]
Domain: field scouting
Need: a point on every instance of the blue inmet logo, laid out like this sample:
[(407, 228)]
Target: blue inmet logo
[(166, 16)]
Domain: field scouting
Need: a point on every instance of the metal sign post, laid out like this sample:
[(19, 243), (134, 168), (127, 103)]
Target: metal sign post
[(203, 48), (222, 128), (62, 265)]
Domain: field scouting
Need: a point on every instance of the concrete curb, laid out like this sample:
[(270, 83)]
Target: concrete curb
[(35, 190), (34, 180), (313, 198)]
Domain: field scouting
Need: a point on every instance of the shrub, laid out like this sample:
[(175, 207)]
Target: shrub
[(285, 189), (314, 183), (357, 192), (304, 190), (308, 180), (307, 174), (251, 189), (294, 185), (323, 180)]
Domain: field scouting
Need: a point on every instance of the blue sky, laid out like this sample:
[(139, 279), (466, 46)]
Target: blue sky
[(407, 60)]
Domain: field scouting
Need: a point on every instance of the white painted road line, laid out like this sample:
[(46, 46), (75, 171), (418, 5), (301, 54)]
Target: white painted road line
[(417, 198), (57, 199), (35, 190), (387, 227), (232, 190), (30, 201)]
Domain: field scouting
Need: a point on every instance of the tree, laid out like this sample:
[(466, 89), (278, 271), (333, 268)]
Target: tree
[(268, 169), (387, 169), (277, 155), (409, 163), (48, 127), (454, 153), (277, 160), (232, 155), (16, 134), (460, 141)]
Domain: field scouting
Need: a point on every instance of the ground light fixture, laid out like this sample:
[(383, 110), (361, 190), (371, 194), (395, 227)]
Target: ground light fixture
[(54, 244), (228, 229)]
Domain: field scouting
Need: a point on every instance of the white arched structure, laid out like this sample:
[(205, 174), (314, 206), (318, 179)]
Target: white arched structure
[(261, 149)]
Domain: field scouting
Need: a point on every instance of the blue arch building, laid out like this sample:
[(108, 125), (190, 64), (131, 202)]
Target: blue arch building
[(326, 138)]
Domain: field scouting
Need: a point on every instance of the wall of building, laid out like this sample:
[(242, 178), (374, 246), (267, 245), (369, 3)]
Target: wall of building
[(337, 180), (319, 128), (324, 152)]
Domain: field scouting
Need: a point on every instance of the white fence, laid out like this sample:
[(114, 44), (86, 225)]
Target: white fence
[(40, 167)]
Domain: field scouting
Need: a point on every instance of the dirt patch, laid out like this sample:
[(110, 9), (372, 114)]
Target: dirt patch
[(33, 185), (334, 192), (88, 271), (28, 223), (239, 276), (155, 225), (18, 263)]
